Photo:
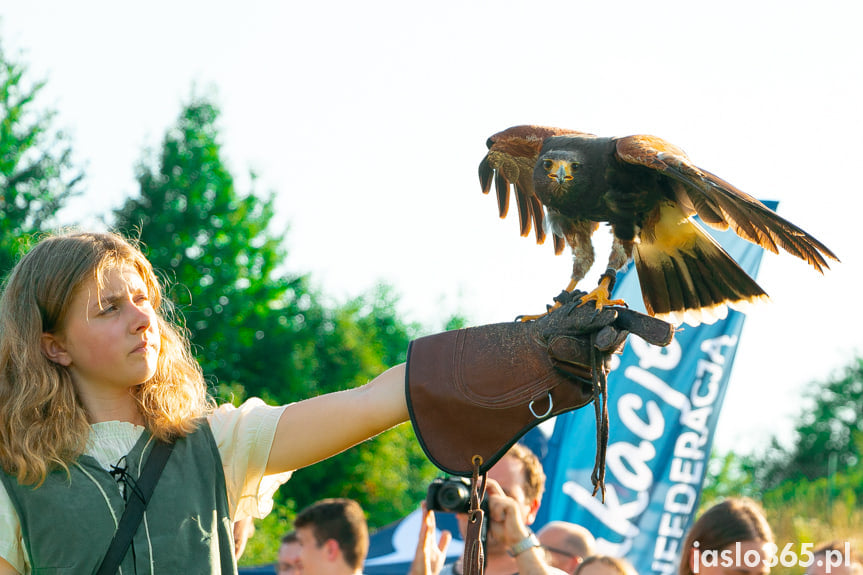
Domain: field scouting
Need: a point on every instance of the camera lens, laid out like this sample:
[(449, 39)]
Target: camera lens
[(453, 496)]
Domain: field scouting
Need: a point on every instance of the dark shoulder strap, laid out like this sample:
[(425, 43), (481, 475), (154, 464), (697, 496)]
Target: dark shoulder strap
[(138, 499)]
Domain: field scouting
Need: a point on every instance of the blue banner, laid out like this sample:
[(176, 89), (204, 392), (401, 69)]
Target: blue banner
[(663, 404)]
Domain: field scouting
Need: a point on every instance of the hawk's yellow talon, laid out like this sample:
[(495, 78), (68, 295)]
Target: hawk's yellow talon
[(551, 308), (600, 296)]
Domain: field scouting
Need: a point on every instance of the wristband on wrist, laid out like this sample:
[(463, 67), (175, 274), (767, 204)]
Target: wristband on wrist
[(528, 542)]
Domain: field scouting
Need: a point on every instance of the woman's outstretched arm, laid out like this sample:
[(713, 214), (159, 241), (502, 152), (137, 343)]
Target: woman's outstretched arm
[(319, 427)]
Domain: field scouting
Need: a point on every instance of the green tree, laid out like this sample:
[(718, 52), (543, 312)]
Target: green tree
[(728, 475), (828, 436), (389, 474), (37, 175), (214, 247)]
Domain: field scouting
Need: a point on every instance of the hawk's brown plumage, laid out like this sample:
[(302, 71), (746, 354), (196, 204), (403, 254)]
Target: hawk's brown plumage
[(648, 191)]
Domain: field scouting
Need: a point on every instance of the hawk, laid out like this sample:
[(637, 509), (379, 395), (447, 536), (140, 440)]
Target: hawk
[(648, 191)]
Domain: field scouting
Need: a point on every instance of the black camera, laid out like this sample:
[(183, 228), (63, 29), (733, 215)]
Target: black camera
[(452, 495), (449, 494)]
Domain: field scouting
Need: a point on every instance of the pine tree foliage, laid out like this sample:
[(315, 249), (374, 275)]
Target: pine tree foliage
[(37, 173), (214, 248)]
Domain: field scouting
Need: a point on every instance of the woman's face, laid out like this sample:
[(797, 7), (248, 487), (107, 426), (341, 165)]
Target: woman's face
[(742, 558), (110, 341)]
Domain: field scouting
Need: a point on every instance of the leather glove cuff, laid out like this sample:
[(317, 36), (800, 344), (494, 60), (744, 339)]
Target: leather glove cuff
[(476, 391)]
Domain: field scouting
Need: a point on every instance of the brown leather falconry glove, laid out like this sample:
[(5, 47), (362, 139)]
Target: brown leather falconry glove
[(476, 391)]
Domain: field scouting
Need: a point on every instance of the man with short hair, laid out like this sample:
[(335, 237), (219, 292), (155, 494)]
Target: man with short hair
[(515, 485), (333, 536), (289, 555), (566, 544)]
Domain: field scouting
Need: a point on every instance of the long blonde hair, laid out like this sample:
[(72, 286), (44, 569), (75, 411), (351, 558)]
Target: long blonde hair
[(43, 425)]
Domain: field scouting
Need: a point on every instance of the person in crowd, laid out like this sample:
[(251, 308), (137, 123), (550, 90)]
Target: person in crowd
[(732, 536), (836, 558), (514, 490), (566, 544), (289, 555), (605, 565), (430, 556), (333, 536), (243, 530), (95, 376)]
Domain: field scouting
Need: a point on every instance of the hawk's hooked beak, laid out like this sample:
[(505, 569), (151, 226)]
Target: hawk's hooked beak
[(563, 174), (559, 171)]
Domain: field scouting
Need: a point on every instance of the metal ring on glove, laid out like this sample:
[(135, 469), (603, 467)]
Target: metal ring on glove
[(547, 411)]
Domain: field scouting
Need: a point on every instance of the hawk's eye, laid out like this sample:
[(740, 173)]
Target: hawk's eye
[(547, 164), (575, 166), (489, 143)]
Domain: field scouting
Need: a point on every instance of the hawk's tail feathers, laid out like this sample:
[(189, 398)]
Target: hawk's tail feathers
[(693, 283)]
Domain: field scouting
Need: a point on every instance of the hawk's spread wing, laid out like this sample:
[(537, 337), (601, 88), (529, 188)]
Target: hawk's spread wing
[(719, 204), (510, 160)]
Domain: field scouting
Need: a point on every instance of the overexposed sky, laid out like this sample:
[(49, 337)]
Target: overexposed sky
[(369, 119)]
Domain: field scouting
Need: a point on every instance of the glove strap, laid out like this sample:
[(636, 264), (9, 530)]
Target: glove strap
[(600, 405), (474, 556)]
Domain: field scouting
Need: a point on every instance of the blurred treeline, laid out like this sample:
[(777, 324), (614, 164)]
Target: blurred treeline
[(260, 330), (810, 484)]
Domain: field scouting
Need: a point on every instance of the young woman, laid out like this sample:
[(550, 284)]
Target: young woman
[(92, 376)]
